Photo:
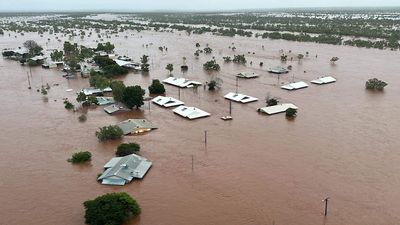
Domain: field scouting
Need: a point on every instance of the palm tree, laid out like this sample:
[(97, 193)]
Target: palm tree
[(169, 67)]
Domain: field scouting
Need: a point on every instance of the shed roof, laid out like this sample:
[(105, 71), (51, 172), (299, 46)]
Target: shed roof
[(295, 86), (167, 101), (190, 112), (277, 108), (247, 75), (135, 126), (324, 80), (237, 97), (181, 82)]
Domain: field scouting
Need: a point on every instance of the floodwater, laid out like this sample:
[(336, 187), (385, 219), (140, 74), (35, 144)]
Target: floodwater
[(255, 169)]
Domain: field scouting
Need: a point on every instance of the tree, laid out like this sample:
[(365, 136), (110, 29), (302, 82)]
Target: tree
[(207, 50), (68, 105), (57, 56), (239, 59), (197, 45), (272, 101), (118, 88), (81, 97), (211, 65), (334, 59), (107, 47), (300, 57), (375, 84), (156, 87), (99, 81), (125, 149), (32, 47), (227, 59), (291, 113), (169, 67), (109, 133), (145, 65), (111, 209), (214, 84), (133, 96), (80, 157)]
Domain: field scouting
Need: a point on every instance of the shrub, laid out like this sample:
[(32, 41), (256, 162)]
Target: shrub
[(272, 101), (111, 209), (156, 87), (291, 113), (68, 105), (241, 59), (127, 149), (80, 157), (82, 118), (375, 84), (109, 133)]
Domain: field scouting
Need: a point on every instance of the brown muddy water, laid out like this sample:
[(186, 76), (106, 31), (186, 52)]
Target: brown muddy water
[(255, 169)]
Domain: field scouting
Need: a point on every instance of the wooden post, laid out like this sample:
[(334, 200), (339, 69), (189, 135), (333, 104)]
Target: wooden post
[(205, 137), (237, 84), (149, 106), (326, 206), (29, 81), (179, 93), (230, 108)]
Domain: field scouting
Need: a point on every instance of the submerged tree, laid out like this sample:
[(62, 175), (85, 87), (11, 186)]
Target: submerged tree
[(133, 96), (109, 133), (156, 87), (111, 209), (169, 67), (211, 65), (80, 157), (291, 113), (125, 149), (375, 84), (334, 59), (214, 84), (145, 63)]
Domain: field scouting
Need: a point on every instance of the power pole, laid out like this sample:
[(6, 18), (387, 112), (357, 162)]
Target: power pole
[(29, 81), (237, 84), (192, 163), (326, 205), (205, 137), (230, 108)]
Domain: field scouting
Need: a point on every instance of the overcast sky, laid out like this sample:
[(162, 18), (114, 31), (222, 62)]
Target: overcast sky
[(149, 5)]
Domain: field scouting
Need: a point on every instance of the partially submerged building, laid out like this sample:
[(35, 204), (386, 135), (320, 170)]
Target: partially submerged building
[(181, 82), (95, 91), (190, 112), (295, 86), (167, 101), (278, 70), (135, 126), (116, 108), (128, 64), (247, 75), (237, 97), (122, 170), (105, 100), (324, 80), (280, 108)]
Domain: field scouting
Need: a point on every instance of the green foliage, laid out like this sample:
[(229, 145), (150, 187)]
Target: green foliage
[(145, 65), (211, 65), (68, 105), (81, 97), (107, 47), (156, 87), (133, 96), (43, 91), (291, 113), (33, 47), (207, 50), (80, 157), (71, 49), (334, 59), (57, 56), (111, 209), (109, 133), (92, 100), (110, 67), (118, 88), (125, 149), (239, 59), (227, 59), (375, 84), (99, 81), (272, 101), (169, 67), (197, 45)]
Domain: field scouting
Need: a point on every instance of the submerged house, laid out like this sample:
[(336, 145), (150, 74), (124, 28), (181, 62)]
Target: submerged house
[(295, 86), (167, 101), (237, 97), (128, 64), (105, 100), (122, 170), (324, 80), (247, 75), (116, 108), (181, 82), (95, 91), (190, 112), (278, 70), (270, 110), (135, 126)]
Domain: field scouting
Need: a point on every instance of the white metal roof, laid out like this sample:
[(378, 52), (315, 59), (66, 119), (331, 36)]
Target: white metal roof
[(324, 80), (237, 97), (136, 125), (105, 100), (190, 112), (166, 101), (181, 82), (121, 170), (295, 86), (277, 108), (115, 108), (247, 75)]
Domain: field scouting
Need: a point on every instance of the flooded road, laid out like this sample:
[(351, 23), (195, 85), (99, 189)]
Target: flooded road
[(255, 169)]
